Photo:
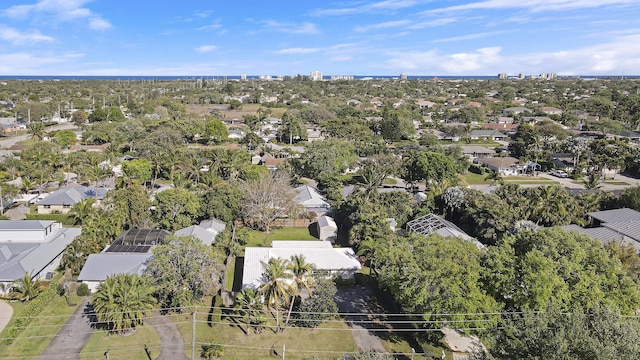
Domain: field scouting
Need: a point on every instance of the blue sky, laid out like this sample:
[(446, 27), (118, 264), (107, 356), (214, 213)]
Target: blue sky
[(388, 37)]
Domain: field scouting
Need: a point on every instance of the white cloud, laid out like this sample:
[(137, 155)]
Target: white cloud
[(206, 48), (383, 25), (610, 58), (434, 23), (298, 50), (204, 14), (32, 64), (292, 28), (210, 27), (15, 37), (532, 5), (98, 23), (380, 6), (469, 36), (59, 11)]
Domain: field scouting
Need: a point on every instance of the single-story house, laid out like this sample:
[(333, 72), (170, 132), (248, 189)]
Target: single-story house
[(207, 231), (504, 165), (128, 254), (515, 110), (487, 134), (477, 152), (549, 110), (621, 225), (311, 200), (62, 200), (327, 229), (11, 128), (434, 224), (334, 262), (32, 246)]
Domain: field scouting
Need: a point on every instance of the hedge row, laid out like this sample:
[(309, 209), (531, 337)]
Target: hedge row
[(35, 306), (64, 219)]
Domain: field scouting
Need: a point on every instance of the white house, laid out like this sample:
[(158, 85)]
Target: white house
[(334, 262), (206, 231), (32, 246)]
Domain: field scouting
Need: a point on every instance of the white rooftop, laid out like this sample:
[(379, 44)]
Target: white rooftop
[(319, 253)]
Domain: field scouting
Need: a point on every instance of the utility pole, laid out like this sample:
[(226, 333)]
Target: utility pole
[(193, 334)]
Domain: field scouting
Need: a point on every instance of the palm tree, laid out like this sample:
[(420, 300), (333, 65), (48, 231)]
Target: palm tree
[(27, 288), (82, 209), (37, 130), (122, 301), (212, 351), (275, 288), (301, 271), (249, 306), (495, 177), (593, 181)]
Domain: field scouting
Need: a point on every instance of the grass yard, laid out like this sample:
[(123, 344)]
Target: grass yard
[(123, 347), (35, 338), (477, 179), (259, 238), (300, 343), (390, 181), (231, 272), (615, 182)]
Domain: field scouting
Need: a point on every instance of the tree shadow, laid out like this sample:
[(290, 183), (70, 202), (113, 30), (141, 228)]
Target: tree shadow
[(313, 230)]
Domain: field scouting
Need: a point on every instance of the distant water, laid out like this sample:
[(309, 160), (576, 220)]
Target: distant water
[(237, 77)]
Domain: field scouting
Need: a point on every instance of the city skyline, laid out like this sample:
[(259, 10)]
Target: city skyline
[(389, 37)]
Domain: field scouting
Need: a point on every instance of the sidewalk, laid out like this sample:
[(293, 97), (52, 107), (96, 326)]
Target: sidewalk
[(5, 314)]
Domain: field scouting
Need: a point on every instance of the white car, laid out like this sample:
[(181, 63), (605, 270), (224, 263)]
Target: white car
[(559, 173)]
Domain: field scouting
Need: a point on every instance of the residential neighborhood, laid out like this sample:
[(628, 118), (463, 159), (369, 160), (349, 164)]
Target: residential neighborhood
[(407, 218)]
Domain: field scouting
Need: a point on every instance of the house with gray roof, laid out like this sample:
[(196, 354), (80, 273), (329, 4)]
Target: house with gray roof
[(128, 254), (32, 246), (434, 224), (62, 200), (621, 225), (311, 200), (207, 231), (487, 134)]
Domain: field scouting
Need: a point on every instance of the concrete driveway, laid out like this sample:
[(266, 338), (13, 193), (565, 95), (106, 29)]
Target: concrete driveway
[(354, 299), (73, 336), (170, 337), (6, 311)]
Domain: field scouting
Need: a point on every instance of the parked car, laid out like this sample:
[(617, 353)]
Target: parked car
[(559, 173)]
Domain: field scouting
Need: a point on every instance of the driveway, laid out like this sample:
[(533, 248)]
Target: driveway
[(170, 337), (73, 336), (354, 300), (5, 314)]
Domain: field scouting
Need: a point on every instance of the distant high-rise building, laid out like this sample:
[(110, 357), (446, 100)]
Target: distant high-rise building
[(502, 76), (316, 75), (342, 77), (521, 76), (403, 76), (243, 77)]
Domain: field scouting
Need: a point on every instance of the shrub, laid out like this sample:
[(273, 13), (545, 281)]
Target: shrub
[(476, 169), (83, 290)]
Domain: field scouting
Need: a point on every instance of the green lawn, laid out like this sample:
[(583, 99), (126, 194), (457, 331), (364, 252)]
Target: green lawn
[(259, 238), (35, 338), (231, 272), (123, 347), (332, 336), (390, 181), (477, 179), (614, 182)]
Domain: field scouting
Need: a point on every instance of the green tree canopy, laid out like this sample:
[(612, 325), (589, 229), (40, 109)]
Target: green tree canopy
[(176, 208), (553, 267), (184, 269)]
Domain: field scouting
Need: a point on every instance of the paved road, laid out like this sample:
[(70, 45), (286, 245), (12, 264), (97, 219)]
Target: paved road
[(10, 141), (5, 314), (170, 337), (354, 300), (73, 336)]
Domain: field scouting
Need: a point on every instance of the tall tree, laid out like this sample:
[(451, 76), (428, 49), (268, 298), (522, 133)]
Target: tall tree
[(184, 269), (123, 301), (275, 288), (267, 198)]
